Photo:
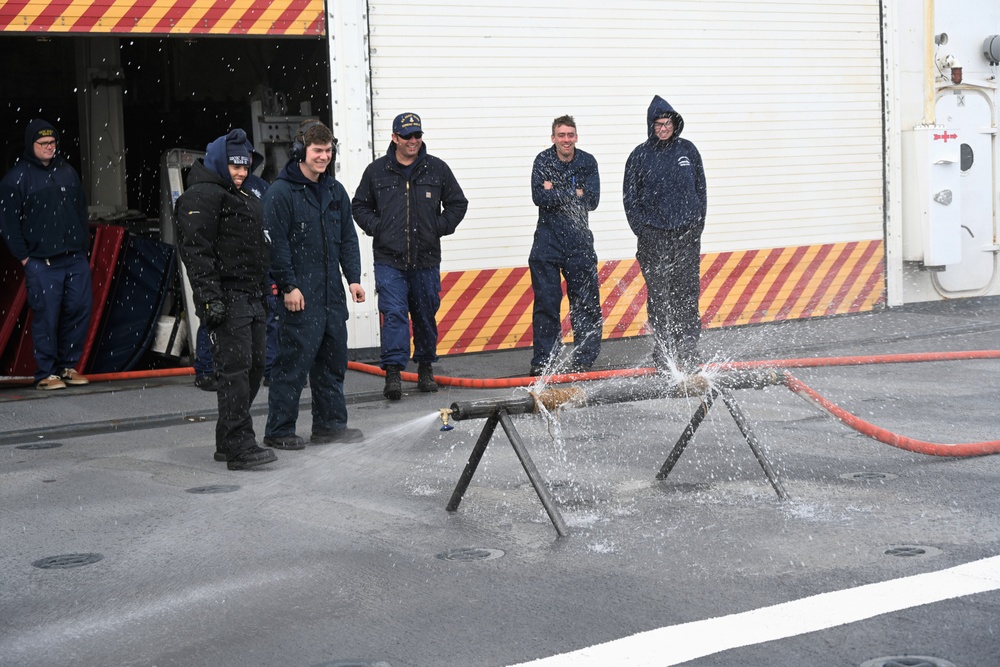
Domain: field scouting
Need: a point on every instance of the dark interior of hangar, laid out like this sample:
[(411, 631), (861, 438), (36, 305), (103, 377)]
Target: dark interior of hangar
[(136, 97)]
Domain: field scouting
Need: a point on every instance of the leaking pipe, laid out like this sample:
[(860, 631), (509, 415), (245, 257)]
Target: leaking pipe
[(640, 389)]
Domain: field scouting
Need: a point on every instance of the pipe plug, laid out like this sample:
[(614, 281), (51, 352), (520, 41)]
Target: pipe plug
[(445, 413)]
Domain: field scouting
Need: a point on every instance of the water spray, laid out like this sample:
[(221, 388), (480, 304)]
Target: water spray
[(499, 410)]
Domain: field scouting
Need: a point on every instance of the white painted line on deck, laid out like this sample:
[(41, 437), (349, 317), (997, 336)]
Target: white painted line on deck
[(679, 643)]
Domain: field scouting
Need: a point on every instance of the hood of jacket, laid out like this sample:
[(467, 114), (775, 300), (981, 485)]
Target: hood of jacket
[(216, 158), (320, 189), (291, 172), (660, 108), (200, 173), (33, 128)]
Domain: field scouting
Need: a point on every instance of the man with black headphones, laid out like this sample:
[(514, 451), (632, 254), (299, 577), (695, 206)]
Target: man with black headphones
[(308, 216)]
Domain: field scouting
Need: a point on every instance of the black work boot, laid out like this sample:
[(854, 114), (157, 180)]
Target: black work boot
[(251, 457), (393, 383), (425, 378)]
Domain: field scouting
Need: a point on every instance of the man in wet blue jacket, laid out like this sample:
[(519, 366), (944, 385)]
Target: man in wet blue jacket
[(665, 203), (308, 214), (43, 220), (223, 245), (408, 199), (565, 186)]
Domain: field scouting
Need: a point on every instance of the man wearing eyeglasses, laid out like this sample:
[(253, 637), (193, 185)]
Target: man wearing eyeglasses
[(665, 203), (43, 221), (407, 200)]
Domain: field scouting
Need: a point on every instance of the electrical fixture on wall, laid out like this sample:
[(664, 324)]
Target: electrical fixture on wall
[(991, 49)]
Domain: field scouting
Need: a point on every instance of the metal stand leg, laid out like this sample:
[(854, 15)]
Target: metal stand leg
[(474, 458), (536, 479), (744, 425), (696, 419), (502, 417)]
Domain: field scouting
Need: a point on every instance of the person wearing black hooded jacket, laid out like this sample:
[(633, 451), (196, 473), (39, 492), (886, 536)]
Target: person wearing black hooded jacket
[(44, 222), (225, 250), (665, 199)]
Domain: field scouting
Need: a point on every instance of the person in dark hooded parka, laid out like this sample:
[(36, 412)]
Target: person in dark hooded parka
[(44, 222), (226, 252), (665, 201)]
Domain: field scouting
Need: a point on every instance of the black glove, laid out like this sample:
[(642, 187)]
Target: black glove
[(214, 314)]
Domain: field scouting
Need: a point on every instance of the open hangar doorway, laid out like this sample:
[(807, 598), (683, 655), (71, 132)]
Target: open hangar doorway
[(121, 104), (158, 93)]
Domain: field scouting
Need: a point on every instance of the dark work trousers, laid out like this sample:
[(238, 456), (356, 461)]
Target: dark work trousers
[(238, 351), (271, 347), (313, 344), (584, 292), (403, 296), (59, 295), (670, 260), (203, 364)]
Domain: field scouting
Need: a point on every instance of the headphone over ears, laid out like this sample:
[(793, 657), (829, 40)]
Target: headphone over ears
[(298, 152)]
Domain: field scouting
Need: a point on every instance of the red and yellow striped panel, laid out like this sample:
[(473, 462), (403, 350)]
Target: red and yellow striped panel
[(491, 309), (289, 18)]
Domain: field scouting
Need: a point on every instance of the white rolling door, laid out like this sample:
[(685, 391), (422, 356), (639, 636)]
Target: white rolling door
[(783, 98)]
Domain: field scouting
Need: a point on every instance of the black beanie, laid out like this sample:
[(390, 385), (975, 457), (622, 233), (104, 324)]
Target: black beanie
[(237, 150), (38, 129)]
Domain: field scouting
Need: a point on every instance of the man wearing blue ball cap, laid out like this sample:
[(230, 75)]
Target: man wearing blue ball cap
[(407, 200)]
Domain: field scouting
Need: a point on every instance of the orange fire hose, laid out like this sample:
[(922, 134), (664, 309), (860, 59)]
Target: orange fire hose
[(793, 383), (887, 437), (112, 377)]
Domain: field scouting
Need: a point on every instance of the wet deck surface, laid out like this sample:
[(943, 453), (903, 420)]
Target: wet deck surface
[(345, 555)]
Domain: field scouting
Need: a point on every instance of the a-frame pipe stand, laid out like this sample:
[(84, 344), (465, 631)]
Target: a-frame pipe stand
[(741, 422), (501, 416)]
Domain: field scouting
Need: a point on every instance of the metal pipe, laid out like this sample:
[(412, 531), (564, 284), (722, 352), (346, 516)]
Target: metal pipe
[(484, 409), (637, 389)]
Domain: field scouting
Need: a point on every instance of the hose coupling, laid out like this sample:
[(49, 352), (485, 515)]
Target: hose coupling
[(445, 414)]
